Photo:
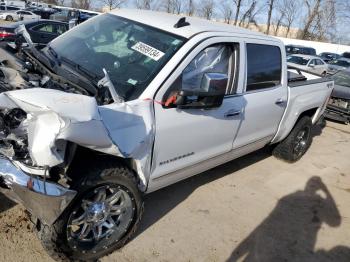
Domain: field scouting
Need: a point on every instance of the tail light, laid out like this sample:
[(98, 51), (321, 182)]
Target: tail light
[(5, 34)]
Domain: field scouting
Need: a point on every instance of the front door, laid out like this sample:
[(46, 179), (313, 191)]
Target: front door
[(185, 137)]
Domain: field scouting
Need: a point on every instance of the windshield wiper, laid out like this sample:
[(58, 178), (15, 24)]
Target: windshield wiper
[(106, 82), (88, 74), (54, 54)]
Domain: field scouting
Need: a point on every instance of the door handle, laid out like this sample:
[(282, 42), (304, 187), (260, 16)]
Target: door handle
[(232, 113), (279, 101)]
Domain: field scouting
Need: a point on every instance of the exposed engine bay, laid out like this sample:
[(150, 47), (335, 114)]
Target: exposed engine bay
[(44, 116)]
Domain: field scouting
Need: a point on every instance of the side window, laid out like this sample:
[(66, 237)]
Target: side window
[(319, 62), (264, 66), (312, 62), (60, 29), (213, 59), (47, 28)]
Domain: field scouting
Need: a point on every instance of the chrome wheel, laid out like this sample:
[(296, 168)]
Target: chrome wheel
[(301, 141), (103, 217)]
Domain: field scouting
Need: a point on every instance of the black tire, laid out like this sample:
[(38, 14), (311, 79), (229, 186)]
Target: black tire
[(324, 74), (286, 149), (55, 238), (9, 18)]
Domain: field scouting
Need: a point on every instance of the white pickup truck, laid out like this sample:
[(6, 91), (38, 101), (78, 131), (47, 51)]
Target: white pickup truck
[(132, 101)]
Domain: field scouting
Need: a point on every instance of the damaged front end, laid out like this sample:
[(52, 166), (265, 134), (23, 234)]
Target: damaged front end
[(39, 129)]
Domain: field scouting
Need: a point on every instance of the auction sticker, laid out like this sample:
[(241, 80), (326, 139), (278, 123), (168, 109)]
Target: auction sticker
[(149, 51)]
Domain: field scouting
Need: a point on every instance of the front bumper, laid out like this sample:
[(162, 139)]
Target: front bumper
[(45, 200)]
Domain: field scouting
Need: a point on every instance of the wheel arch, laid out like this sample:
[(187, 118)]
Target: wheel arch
[(84, 155)]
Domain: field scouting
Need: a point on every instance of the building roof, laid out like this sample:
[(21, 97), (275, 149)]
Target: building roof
[(167, 21)]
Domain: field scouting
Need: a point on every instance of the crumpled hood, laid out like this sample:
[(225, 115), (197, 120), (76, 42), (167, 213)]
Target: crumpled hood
[(71, 106), (121, 129)]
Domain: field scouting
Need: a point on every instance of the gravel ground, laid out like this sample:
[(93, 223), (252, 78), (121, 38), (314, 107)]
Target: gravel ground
[(255, 207)]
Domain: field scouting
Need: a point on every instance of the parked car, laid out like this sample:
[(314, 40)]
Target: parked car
[(19, 15), (327, 57), (338, 107), (5, 8), (44, 13), (339, 64), (133, 104), (312, 64), (298, 49), (41, 32)]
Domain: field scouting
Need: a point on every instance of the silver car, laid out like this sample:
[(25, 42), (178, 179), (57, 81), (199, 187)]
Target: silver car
[(312, 64)]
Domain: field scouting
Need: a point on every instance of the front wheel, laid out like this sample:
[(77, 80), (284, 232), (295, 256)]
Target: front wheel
[(9, 18), (104, 216), (294, 146)]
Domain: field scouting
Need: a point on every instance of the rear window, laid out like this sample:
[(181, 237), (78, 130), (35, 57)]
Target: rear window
[(263, 66)]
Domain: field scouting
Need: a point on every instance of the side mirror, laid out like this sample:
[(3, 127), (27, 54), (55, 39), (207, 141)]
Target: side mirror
[(210, 94), (312, 65)]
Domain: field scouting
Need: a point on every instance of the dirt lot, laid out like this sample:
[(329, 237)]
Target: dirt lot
[(255, 207)]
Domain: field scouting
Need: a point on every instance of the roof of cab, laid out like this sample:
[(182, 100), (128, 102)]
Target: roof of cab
[(165, 21)]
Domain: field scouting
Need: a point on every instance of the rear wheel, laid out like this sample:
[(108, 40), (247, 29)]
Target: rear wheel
[(104, 216), (9, 18), (294, 146)]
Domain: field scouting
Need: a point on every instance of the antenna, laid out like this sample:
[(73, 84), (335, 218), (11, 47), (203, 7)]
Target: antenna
[(181, 23)]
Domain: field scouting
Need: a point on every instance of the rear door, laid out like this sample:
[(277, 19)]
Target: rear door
[(264, 93)]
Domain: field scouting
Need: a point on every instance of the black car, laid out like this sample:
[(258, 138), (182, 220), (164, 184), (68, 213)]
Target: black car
[(327, 57), (41, 31), (298, 49), (338, 107)]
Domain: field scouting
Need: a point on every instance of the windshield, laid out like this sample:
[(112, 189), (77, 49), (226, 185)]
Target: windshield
[(342, 78), (132, 53), (297, 60)]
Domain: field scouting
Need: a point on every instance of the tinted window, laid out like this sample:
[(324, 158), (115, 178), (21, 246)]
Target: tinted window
[(297, 60), (263, 66), (47, 28), (319, 62)]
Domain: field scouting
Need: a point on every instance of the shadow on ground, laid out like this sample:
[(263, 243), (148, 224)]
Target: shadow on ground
[(5, 203), (289, 233)]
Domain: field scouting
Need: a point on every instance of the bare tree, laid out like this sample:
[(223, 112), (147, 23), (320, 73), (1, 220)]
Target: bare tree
[(178, 6), (313, 10), (270, 4), (169, 6), (190, 7), (144, 4), (238, 4), (81, 4), (226, 10), (111, 4), (290, 10), (207, 9), (279, 22), (249, 16)]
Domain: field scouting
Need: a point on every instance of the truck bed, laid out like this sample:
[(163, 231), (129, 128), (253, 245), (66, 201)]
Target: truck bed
[(309, 94)]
